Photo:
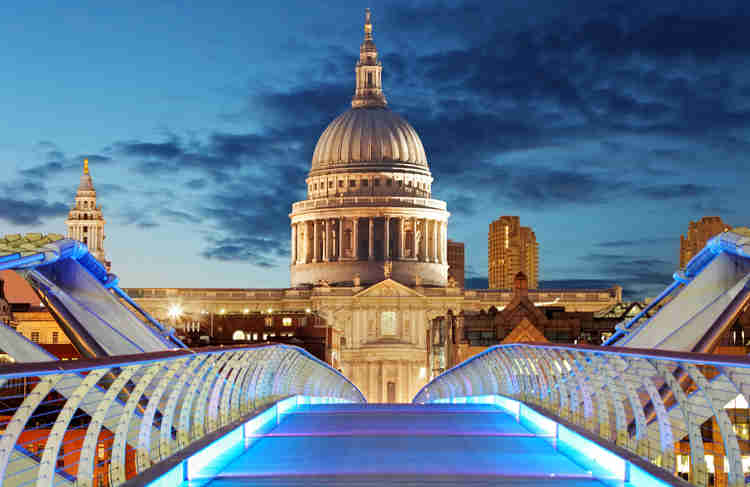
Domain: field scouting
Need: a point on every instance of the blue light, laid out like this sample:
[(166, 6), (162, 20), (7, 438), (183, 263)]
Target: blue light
[(210, 460), (640, 477), (603, 463), (169, 479)]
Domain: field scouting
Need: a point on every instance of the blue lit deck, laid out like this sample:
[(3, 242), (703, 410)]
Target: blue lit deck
[(402, 445)]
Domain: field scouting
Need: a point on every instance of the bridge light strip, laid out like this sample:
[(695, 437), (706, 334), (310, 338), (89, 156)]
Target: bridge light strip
[(601, 463), (210, 460)]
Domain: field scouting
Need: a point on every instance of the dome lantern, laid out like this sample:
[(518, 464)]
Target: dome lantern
[(369, 90)]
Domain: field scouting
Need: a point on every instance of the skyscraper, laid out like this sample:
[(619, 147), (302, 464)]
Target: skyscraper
[(85, 222), (698, 235), (456, 262), (511, 249)]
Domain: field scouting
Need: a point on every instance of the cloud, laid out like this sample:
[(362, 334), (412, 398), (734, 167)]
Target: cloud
[(635, 243), (640, 277), (675, 191), (29, 212)]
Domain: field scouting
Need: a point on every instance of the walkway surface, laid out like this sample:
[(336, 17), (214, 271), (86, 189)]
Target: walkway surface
[(386, 444)]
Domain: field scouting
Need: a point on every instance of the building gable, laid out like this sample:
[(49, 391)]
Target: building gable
[(525, 332), (388, 288)]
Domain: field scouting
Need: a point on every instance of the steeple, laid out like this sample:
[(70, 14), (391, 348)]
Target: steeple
[(369, 88), (85, 222)]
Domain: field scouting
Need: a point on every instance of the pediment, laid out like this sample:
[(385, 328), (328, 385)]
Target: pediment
[(388, 288)]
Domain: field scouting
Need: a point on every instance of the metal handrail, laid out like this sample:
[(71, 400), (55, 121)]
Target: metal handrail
[(656, 404), (99, 422)]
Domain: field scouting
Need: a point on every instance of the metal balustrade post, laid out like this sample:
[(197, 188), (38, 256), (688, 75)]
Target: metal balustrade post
[(207, 405), (186, 405), (698, 471), (46, 474), (728, 436), (85, 474), (224, 396), (598, 419), (167, 445), (144, 456), (117, 465), (21, 416), (666, 438)]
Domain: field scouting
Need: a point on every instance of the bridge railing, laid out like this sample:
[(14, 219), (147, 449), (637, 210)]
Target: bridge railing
[(686, 413), (100, 422)]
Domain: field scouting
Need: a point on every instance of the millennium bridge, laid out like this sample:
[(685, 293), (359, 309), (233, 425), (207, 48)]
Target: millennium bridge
[(651, 408)]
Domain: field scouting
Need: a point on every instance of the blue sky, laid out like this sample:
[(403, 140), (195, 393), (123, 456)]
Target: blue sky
[(607, 126)]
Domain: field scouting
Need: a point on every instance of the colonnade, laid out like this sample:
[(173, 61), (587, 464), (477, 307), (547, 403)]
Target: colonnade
[(341, 239)]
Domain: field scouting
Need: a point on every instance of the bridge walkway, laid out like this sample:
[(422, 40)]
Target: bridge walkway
[(404, 444)]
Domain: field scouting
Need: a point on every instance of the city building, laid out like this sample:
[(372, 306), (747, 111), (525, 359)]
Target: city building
[(698, 234), (511, 249), (85, 222), (369, 252), (457, 337), (456, 263)]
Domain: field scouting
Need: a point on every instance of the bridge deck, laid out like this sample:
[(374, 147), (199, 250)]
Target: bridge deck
[(402, 445)]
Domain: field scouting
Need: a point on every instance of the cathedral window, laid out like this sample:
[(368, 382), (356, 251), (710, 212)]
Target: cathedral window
[(388, 323)]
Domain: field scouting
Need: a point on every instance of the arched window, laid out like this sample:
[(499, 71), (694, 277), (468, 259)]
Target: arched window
[(369, 79), (238, 335)]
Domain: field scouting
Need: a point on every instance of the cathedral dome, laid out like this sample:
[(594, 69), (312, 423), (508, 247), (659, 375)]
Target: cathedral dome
[(366, 139)]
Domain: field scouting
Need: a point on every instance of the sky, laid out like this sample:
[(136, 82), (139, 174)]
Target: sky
[(605, 125)]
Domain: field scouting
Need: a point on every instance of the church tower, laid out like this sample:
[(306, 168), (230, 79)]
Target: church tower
[(85, 222)]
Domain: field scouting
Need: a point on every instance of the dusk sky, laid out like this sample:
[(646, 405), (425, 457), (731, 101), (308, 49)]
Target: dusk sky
[(606, 126)]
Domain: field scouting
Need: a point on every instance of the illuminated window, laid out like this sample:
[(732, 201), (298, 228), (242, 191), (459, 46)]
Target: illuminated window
[(35, 336), (255, 336), (100, 450), (55, 336), (388, 323), (269, 322), (287, 321)]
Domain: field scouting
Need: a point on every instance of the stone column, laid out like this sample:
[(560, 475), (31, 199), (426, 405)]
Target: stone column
[(425, 257), (414, 239), (371, 240), (355, 238), (401, 238), (316, 245), (294, 243), (387, 238), (326, 241), (435, 256), (340, 254), (444, 241)]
